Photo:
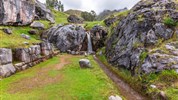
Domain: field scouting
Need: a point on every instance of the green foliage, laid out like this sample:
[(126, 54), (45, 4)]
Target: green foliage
[(88, 16), (55, 4), (90, 25), (168, 76), (170, 22), (60, 17), (143, 56)]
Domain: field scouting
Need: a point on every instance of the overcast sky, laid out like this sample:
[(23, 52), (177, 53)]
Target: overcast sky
[(97, 5)]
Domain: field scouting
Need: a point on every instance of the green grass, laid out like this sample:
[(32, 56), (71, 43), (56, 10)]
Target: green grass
[(166, 80), (76, 83), (15, 40), (170, 22), (6, 83), (90, 25), (60, 17)]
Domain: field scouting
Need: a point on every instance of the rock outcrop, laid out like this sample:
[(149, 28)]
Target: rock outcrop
[(6, 67), (23, 12), (75, 19), (141, 41), (17, 12), (69, 37), (99, 36), (42, 12)]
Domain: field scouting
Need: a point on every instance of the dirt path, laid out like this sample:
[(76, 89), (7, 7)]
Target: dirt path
[(41, 78), (124, 88)]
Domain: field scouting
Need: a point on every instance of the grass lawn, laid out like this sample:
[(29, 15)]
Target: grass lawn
[(15, 39), (45, 82)]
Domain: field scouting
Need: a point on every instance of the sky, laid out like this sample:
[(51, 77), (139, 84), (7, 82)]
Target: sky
[(97, 5)]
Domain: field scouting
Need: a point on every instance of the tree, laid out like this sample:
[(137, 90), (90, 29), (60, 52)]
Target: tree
[(89, 16), (56, 4)]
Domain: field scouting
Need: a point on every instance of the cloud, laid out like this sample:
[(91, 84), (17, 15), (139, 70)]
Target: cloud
[(97, 5)]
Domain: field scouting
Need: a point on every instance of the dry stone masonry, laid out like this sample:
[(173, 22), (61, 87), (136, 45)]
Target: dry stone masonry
[(27, 57)]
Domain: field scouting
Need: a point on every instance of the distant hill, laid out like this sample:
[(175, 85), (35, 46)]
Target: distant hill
[(74, 12), (106, 13)]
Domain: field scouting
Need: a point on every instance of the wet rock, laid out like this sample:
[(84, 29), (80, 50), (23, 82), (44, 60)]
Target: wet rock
[(69, 37), (37, 25), (115, 98), (98, 36), (7, 31), (33, 32), (85, 63), (74, 19), (25, 36)]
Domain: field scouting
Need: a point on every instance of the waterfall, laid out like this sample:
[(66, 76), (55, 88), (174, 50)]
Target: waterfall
[(90, 50)]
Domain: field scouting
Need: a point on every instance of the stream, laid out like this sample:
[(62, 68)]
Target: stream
[(125, 89)]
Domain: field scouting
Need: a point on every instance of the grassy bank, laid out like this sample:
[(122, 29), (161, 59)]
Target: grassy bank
[(45, 82), (166, 81)]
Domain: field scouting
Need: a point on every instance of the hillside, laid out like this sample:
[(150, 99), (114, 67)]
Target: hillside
[(74, 12)]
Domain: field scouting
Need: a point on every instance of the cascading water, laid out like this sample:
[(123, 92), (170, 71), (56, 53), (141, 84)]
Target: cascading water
[(90, 49)]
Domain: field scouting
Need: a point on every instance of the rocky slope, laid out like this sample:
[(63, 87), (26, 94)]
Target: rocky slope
[(146, 40), (23, 12)]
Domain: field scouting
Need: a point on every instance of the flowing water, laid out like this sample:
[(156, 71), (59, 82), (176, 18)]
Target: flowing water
[(90, 49)]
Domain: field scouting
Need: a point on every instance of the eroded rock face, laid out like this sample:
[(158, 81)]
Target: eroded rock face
[(98, 35), (16, 12), (132, 41), (69, 37), (42, 12), (23, 12)]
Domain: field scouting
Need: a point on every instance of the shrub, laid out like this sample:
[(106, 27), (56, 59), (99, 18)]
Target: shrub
[(143, 56), (170, 22), (168, 76)]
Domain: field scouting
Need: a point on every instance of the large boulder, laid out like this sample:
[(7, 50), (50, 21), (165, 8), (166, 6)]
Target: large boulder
[(74, 19), (85, 63), (136, 42), (37, 25), (5, 56), (69, 37), (23, 12), (6, 67), (42, 12), (17, 12)]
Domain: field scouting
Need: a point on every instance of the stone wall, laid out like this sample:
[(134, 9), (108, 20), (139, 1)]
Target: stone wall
[(26, 57)]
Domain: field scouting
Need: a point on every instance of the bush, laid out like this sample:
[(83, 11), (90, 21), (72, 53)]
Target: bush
[(170, 22), (168, 76)]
